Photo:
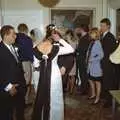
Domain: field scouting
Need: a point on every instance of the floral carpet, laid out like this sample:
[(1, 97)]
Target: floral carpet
[(80, 108)]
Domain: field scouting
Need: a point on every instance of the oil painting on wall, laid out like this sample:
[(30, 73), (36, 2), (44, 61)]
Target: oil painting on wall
[(71, 18)]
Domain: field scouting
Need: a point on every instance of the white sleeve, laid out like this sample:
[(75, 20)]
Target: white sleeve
[(36, 62), (8, 87), (66, 48)]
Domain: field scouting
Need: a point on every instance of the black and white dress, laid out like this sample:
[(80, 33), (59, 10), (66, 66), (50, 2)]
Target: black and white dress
[(49, 103)]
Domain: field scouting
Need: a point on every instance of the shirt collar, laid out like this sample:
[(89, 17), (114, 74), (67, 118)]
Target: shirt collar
[(105, 33), (83, 34), (8, 46)]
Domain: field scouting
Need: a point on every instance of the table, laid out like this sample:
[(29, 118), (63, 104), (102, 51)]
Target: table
[(115, 99)]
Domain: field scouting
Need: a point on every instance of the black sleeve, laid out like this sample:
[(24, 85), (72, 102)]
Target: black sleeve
[(4, 75), (60, 61), (113, 44), (37, 53)]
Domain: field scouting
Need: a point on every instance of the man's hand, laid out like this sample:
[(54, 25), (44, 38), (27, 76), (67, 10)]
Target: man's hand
[(13, 90), (62, 70)]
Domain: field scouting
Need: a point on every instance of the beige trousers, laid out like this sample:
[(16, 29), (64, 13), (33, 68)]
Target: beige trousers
[(27, 67)]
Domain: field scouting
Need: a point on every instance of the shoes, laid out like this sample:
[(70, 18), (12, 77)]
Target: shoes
[(96, 102), (91, 97)]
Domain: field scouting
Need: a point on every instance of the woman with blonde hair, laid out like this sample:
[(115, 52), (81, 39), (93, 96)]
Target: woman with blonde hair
[(94, 56)]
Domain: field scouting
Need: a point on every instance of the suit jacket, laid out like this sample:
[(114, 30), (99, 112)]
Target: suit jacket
[(81, 57), (83, 47), (10, 70), (94, 60), (109, 45), (25, 45)]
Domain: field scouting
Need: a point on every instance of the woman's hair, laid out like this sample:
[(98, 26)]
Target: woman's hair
[(50, 29), (95, 33), (32, 33), (69, 32), (23, 28), (84, 27), (37, 34)]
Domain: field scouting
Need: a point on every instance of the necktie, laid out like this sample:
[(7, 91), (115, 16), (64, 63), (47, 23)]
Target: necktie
[(14, 53)]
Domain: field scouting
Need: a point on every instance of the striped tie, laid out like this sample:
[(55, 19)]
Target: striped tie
[(14, 53)]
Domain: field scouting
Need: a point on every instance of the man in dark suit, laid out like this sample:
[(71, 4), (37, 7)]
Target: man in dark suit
[(83, 44), (109, 44), (12, 82)]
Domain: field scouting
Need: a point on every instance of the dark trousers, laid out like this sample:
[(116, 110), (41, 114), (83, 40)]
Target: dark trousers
[(81, 67), (5, 106), (107, 97), (65, 81), (19, 106), (6, 114), (117, 74), (111, 80)]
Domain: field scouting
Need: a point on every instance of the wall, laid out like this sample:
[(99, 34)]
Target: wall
[(33, 14), (24, 11), (115, 3)]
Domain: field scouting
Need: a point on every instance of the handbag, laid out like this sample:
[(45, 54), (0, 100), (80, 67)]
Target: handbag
[(115, 56)]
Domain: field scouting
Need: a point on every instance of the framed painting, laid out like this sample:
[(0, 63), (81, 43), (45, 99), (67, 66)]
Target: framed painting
[(71, 18)]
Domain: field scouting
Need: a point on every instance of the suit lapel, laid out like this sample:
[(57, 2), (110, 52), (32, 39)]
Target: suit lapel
[(7, 52), (104, 38)]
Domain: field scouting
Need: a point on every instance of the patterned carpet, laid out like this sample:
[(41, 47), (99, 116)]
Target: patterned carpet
[(80, 108)]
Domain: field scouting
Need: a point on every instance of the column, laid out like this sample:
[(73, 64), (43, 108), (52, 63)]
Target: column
[(105, 8), (101, 10), (112, 16)]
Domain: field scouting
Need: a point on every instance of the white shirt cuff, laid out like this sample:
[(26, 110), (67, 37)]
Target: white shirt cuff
[(9, 87)]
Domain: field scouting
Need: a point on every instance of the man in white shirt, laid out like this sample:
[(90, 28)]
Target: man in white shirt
[(12, 82)]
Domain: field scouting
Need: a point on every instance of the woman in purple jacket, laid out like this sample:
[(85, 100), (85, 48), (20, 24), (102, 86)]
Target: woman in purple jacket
[(94, 71)]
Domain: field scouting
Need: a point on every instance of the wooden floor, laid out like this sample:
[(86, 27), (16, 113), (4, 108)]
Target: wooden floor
[(80, 108)]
